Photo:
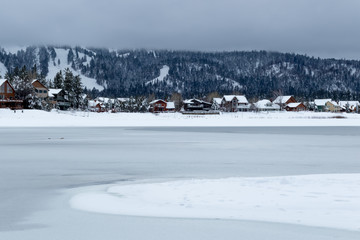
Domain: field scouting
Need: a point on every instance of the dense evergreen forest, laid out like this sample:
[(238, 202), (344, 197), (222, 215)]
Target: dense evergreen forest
[(257, 74)]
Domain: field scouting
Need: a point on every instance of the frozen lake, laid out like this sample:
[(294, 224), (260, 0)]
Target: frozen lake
[(42, 168)]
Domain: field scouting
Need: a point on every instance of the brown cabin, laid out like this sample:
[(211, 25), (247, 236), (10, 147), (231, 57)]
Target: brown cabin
[(40, 90), (157, 106), (7, 96), (295, 107)]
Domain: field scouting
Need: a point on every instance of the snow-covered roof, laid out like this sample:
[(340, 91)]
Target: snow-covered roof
[(156, 100), (190, 101), (105, 100), (281, 99), (321, 102), (102, 99), (293, 105), (170, 105), (240, 98), (351, 104), (217, 100), (2, 81), (53, 91), (123, 99), (92, 103), (266, 104), (335, 103)]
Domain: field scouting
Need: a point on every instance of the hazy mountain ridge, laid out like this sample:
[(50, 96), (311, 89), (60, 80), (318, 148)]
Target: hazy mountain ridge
[(134, 72)]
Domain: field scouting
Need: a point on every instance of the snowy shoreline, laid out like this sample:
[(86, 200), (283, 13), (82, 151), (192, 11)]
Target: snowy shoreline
[(322, 200), (37, 118)]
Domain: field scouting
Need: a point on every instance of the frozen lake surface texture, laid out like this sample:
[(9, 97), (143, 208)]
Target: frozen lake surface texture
[(180, 183)]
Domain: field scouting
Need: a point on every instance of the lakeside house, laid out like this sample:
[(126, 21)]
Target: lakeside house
[(41, 91), (191, 105), (7, 96), (295, 107), (320, 104), (266, 105), (159, 105), (235, 103), (349, 106), (58, 98), (96, 106), (282, 101)]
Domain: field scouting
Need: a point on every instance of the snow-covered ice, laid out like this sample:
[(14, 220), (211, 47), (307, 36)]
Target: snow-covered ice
[(329, 200), (42, 169)]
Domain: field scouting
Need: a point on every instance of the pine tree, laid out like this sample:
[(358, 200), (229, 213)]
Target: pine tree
[(58, 80), (68, 81), (77, 90)]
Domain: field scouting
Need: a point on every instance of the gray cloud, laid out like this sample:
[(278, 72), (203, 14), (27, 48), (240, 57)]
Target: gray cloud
[(325, 28)]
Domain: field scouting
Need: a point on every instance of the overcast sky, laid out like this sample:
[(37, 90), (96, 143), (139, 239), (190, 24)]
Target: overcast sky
[(325, 28)]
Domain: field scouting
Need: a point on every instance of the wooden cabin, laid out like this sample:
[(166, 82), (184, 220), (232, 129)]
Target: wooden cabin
[(283, 101), (196, 105), (40, 90), (7, 96), (58, 98), (295, 107), (235, 103), (160, 105)]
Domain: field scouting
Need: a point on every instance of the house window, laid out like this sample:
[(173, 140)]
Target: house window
[(2, 88), (40, 91), (45, 91)]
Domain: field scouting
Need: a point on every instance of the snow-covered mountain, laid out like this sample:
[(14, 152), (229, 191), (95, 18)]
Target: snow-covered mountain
[(142, 72)]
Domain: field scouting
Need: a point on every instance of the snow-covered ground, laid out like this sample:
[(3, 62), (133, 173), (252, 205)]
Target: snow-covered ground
[(329, 200), (164, 71), (36, 118), (61, 63)]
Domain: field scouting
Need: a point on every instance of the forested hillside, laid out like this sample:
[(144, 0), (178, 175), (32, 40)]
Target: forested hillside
[(256, 74)]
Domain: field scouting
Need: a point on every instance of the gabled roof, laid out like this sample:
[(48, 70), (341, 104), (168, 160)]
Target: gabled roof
[(170, 105), (352, 104), (105, 100), (190, 101), (156, 100), (293, 105), (54, 91), (240, 98), (266, 104), (217, 100), (123, 99), (2, 81), (282, 99), (321, 102), (36, 80), (335, 103)]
